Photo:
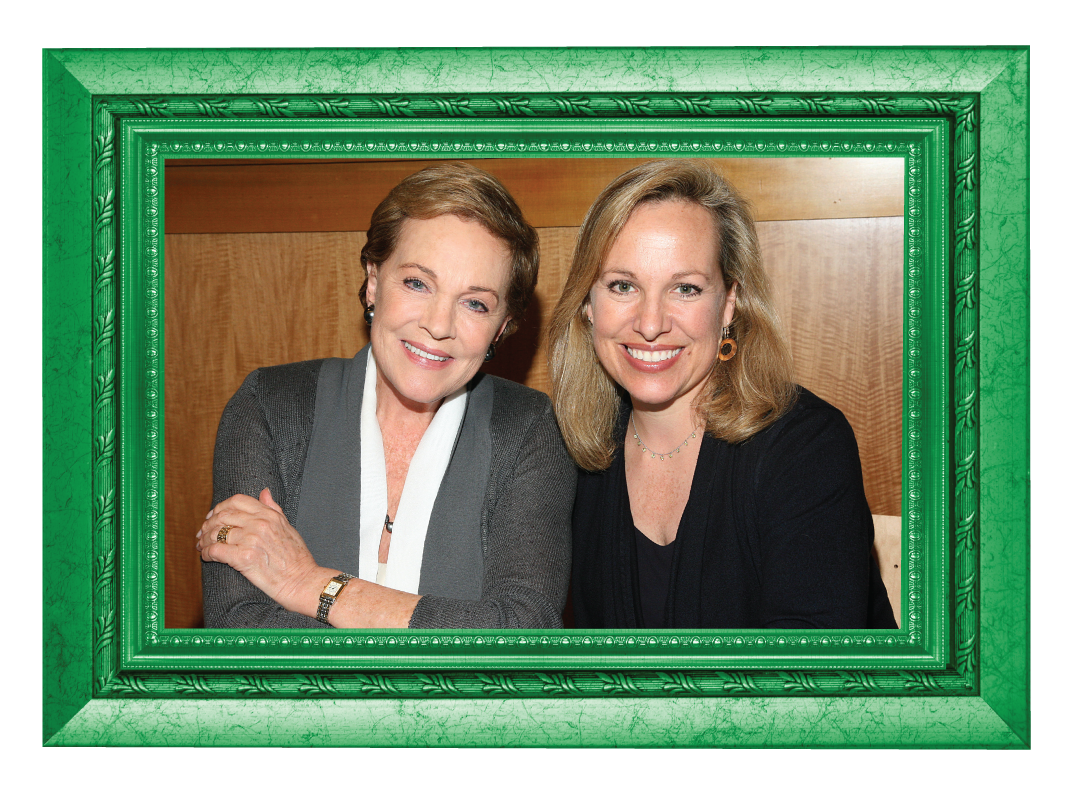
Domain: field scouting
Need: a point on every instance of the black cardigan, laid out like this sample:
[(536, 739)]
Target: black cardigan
[(776, 534)]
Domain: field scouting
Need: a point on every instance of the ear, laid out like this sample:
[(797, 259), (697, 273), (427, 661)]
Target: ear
[(372, 283), (501, 329), (588, 311), (729, 305)]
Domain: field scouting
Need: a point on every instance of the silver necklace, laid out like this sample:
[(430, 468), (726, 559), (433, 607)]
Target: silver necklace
[(654, 454)]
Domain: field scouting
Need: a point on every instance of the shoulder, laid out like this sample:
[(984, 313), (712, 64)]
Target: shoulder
[(285, 380), (522, 418), (809, 416), (812, 434), (513, 398), (282, 384), (515, 404), (281, 394)]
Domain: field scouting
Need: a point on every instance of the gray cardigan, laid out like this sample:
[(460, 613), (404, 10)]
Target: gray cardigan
[(497, 553)]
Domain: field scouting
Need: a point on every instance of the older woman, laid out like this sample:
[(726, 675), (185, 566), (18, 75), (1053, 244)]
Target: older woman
[(401, 488), (716, 493)]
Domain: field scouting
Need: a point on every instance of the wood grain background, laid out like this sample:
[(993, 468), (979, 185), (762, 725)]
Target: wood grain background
[(262, 267)]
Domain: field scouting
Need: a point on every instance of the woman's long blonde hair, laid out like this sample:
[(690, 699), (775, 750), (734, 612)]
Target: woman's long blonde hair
[(745, 394)]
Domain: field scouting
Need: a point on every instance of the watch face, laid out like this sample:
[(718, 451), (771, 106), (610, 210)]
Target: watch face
[(333, 587)]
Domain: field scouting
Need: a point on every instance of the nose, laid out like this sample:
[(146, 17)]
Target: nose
[(652, 319), (438, 318)]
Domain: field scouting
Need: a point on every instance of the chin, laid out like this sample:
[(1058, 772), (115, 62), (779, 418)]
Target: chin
[(649, 393), (651, 399), (422, 390), (436, 385)]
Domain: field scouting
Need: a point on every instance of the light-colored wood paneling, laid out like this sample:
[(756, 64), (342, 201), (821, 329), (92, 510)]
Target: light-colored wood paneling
[(321, 195), (839, 291)]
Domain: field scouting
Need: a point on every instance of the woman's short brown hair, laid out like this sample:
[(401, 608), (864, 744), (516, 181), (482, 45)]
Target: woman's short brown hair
[(468, 192), (746, 393)]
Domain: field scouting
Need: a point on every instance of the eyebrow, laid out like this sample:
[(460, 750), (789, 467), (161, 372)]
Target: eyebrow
[(675, 276), (433, 276), (482, 289)]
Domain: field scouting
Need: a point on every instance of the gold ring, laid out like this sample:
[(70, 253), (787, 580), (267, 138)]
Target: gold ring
[(223, 534)]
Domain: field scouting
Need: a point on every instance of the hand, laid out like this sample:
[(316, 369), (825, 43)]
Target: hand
[(266, 549)]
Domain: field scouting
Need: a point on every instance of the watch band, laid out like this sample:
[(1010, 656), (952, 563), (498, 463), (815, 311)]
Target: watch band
[(329, 595)]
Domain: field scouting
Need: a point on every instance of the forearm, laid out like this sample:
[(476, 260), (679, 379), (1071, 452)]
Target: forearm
[(361, 604), (231, 601), (523, 608)]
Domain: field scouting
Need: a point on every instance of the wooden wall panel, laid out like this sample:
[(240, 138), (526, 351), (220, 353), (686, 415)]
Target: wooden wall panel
[(839, 291), (263, 196)]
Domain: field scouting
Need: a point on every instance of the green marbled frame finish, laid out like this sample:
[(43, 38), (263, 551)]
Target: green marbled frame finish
[(112, 672)]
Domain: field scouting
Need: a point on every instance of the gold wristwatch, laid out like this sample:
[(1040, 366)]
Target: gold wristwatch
[(329, 595)]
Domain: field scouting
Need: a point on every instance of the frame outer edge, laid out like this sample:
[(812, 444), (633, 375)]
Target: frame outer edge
[(66, 386), (1004, 357), (913, 722), (1000, 717), (528, 70)]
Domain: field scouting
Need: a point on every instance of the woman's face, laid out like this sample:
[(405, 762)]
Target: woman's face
[(659, 304), (440, 300)]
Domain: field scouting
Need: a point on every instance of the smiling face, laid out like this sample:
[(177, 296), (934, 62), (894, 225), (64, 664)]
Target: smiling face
[(659, 304), (440, 301)]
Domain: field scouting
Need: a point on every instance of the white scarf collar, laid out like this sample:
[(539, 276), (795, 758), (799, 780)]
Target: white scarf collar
[(426, 472)]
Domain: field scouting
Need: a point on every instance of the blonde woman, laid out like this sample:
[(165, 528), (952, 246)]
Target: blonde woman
[(715, 492)]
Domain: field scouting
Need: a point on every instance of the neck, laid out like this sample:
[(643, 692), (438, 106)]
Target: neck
[(664, 429), (392, 409)]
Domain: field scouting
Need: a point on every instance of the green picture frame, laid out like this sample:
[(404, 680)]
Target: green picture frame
[(957, 672)]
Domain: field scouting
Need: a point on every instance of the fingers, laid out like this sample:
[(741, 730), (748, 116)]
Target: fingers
[(221, 534), (267, 499), (234, 510), (241, 557), (239, 502), (214, 552), (254, 522)]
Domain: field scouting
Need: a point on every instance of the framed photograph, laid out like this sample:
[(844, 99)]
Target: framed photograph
[(933, 140), (260, 269)]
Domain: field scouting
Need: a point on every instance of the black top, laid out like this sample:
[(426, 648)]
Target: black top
[(654, 578), (776, 534)]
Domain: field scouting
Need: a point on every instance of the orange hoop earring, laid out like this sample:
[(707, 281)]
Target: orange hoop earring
[(728, 346)]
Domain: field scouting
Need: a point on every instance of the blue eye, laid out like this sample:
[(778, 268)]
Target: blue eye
[(476, 305), (414, 284)]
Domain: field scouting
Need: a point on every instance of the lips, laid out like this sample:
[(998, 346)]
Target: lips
[(652, 356), (424, 353), (652, 360)]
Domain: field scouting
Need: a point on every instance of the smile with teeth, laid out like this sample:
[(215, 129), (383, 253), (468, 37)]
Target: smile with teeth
[(422, 353), (652, 356)]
